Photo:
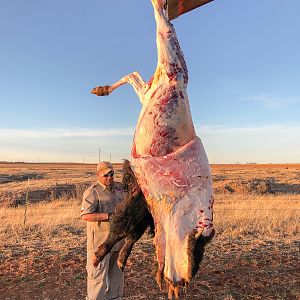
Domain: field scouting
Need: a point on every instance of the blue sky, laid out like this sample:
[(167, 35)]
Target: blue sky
[(244, 69)]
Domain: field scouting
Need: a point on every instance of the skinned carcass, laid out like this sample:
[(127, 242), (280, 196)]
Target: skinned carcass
[(169, 161)]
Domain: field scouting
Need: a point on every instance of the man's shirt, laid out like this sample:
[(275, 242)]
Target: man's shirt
[(99, 199)]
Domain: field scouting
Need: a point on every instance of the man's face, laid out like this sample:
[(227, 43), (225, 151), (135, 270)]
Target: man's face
[(106, 178)]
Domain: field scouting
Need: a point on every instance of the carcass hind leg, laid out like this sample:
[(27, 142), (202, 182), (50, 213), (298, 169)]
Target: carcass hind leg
[(159, 240), (159, 277)]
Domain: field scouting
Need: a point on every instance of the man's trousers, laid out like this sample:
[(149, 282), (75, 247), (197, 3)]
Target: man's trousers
[(106, 281)]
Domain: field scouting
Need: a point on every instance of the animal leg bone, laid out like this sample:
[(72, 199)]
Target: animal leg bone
[(134, 79)]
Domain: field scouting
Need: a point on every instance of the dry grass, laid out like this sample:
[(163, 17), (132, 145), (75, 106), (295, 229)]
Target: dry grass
[(249, 228), (254, 255), (268, 216), (42, 218), (285, 178), (257, 216)]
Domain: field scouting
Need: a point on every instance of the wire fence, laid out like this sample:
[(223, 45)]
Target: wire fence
[(74, 191)]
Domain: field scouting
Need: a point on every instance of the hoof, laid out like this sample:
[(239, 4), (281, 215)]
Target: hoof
[(101, 90)]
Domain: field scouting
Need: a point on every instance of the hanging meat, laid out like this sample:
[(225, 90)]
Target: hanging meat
[(169, 162)]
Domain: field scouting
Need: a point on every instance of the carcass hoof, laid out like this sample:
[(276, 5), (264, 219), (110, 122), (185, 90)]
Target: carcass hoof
[(174, 290), (101, 90)]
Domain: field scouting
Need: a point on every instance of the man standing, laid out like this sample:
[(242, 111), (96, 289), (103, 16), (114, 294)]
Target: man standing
[(105, 282)]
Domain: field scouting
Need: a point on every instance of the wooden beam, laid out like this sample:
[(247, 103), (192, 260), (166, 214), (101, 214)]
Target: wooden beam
[(180, 7)]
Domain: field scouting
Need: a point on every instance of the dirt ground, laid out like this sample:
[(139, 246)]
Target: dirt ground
[(254, 255), (231, 269)]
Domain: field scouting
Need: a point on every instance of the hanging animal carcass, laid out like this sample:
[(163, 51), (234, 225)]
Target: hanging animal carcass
[(170, 164)]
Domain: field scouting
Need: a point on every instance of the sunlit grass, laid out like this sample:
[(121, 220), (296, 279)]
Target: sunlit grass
[(263, 216)]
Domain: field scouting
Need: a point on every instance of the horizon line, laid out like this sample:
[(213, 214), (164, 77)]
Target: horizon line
[(120, 162)]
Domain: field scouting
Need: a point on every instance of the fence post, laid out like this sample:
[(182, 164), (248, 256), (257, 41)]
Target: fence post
[(26, 203)]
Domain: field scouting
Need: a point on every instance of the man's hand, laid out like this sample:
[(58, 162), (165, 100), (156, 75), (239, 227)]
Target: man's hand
[(101, 90)]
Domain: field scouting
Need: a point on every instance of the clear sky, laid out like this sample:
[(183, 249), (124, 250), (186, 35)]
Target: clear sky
[(244, 69)]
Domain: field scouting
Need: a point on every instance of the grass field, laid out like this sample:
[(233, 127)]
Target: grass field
[(254, 255)]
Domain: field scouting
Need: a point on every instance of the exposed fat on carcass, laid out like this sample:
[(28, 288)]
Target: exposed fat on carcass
[(178, 190), (169, 160)]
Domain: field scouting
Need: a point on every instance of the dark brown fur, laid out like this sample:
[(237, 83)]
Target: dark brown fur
[(130, 220), (196, 252)]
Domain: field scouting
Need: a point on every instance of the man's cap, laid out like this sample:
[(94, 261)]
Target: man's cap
[(104, 167)]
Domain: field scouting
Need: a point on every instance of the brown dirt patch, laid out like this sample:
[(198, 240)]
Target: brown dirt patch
[(232, 269), (255, 254)]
